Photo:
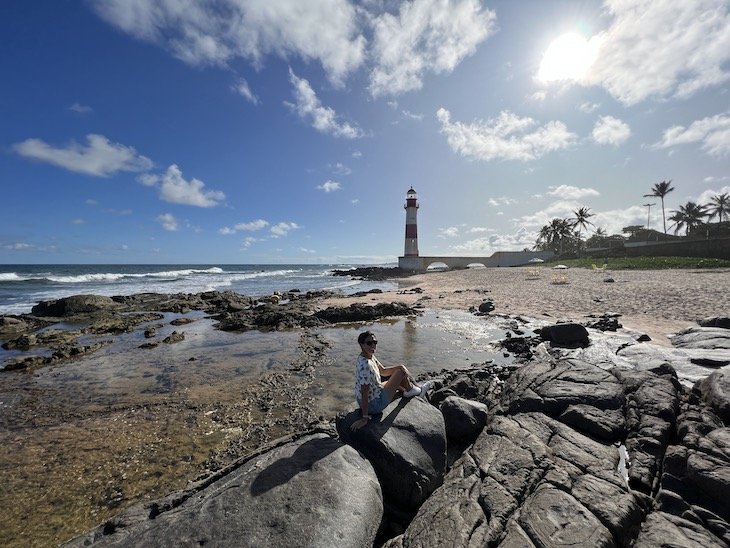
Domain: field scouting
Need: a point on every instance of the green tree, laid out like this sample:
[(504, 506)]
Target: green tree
[(556, 236), (580, 220), (660, 190), (689, 216), (719, 205)]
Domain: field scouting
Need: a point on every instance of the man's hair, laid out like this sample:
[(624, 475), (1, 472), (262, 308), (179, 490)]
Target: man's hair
[(364, 335)]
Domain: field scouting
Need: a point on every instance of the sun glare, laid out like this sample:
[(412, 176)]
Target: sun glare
[(567, 58)]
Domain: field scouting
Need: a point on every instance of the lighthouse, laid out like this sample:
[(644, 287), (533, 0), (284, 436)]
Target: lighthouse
[(411, 207)]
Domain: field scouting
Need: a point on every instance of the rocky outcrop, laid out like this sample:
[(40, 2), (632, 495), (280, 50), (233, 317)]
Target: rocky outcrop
[(74, 305), (406, 445), (565, 334), (547, 469), (358, 312), (310, 491)]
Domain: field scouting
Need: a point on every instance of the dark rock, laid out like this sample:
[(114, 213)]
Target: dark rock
[(464, 419), (76, 304), (663, 529), (375, 273), (714, 391), (182, 321), (358, 312), (606, 322), (312, 491), (551, 389), (406, 445), (486, 307), (605, 424), (565, 334), (715, 321), (174, 337)]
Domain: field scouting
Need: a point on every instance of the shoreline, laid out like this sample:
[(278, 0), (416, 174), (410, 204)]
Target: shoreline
[(138, 443), (656, 302)]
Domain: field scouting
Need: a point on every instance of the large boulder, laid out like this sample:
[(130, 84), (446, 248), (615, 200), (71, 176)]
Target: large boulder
[(565, 334), (71, 306), (663, 529), (311, 491), (464, 419), (714, 391), (710, 338), (552, 388), (406, 445), (528, 477)]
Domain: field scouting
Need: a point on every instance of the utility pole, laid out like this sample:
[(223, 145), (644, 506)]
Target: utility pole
[(648, 212)]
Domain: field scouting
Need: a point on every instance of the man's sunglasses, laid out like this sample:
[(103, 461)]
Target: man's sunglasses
[(371, 343)]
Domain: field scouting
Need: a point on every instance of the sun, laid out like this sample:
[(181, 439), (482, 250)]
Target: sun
[(567, 58)]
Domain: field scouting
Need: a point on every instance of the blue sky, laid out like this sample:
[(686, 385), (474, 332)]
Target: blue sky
[(260, 131)]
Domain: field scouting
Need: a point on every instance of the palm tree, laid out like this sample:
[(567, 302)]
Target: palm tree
[(719, 206), (689, 216), (582, 215), (553, 235), (660, 190)]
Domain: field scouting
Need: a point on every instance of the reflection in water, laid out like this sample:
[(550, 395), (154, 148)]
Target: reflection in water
[(84, 439)]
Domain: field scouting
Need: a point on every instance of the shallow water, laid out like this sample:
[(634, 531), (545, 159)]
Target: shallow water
[(81, 440)]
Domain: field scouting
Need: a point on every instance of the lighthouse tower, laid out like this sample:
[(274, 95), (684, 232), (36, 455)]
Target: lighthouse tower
[(411, 207)]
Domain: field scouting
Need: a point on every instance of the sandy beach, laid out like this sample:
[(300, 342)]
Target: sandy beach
[(84, 439), (656, 302)]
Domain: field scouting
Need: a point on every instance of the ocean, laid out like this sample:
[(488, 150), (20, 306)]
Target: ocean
[(23, 286)]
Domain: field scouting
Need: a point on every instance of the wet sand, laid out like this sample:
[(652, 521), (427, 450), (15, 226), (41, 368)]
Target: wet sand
[(656, 302)]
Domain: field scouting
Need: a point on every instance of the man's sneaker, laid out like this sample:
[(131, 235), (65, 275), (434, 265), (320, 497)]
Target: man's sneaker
[(414, 391), (425, 387)]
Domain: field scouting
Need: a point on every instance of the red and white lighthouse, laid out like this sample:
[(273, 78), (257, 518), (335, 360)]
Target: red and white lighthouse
[(411, 207)]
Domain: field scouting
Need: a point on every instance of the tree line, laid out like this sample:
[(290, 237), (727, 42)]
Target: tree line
[(564, 236)]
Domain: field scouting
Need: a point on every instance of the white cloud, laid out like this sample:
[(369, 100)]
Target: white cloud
[(487, 245), (322, 118), (91, 202), (588, 107), (412, 116), (168, 221), (539, 96), (329, 186), (706, 196), (78, 221), (610, 131), (425, 36), (340, 169), (305, 250), (242, 88), (247, 241), (99, 157), (357, 154), (507, 137), (217, 33), (282, 229), (569, 192), (478, 230), (713, 132), (81, 109), (503, 200), (252, 226), (662, 48), (176, 190), (450, 232)]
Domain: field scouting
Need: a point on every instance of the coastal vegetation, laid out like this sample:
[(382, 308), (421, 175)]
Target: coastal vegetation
[(564, 236), (644, 263)]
